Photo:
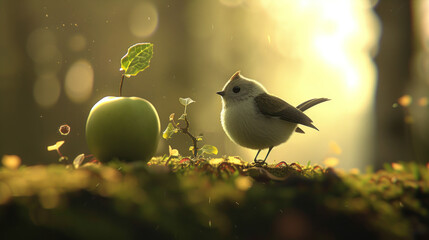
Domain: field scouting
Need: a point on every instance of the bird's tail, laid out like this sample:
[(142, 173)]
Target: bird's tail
[(310, 103)]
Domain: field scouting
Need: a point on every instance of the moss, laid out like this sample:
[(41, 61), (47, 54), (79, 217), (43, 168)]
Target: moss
[(213, 199)]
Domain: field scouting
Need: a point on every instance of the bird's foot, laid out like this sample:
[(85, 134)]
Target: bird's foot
[(259, 163)]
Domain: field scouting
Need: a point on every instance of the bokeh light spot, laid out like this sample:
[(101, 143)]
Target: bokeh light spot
[(423, 101), (41, 46), (46, 90), (331, 161), (77, 42), (79, 81), (11, 161), (405, 100), (143, 19)]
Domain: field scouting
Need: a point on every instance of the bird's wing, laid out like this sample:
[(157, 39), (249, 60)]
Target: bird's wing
[(275, 107)]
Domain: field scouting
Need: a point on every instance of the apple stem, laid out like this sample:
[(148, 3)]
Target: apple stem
[(120, 86)]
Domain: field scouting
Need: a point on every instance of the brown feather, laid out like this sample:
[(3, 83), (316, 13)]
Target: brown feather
[(275, 107)]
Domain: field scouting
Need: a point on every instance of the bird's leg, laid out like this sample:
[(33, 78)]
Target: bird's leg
[(259, 163), (268, 153), (256, 157)]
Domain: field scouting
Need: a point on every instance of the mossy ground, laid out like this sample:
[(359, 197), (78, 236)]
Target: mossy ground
[(174, 198)]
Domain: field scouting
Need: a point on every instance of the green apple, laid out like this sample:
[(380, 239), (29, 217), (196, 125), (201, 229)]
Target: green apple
[(126, 128)]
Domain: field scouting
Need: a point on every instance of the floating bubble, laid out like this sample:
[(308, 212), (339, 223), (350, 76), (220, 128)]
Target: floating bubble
[(64, 129), (46, 90), (143, 19), (79, 81)]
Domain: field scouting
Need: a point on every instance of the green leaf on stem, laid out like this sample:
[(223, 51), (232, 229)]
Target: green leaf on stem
[(208, 149), (182, 117), (186, 101), (137, 59), (169, 131)]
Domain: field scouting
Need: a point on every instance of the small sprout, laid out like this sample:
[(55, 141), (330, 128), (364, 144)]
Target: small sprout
[(56, 146), (186, 101), (169, 131), (208, 149), (78, 160), (63, 159), (182, 117), (64, 129), (173, 152), (171, 118), (173, 128)]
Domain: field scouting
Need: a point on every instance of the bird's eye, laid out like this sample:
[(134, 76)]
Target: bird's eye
[(236, 89)]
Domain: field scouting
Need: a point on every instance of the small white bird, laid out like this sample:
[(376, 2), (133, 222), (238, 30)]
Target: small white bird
[(253, 118)]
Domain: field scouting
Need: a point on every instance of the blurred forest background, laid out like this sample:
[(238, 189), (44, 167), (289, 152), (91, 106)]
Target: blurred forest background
[(58, 58)]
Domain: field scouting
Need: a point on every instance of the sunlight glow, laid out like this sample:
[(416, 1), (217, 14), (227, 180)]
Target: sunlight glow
[(231, 3), (326, 48)]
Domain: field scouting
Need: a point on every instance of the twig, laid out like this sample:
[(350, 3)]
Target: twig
[(185, 130)]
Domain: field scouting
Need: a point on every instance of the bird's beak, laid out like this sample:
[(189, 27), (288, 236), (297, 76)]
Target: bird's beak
[(222, 93)]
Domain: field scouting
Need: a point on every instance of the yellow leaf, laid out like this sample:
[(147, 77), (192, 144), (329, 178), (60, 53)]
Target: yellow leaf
[(56, 146), (173, 152)]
